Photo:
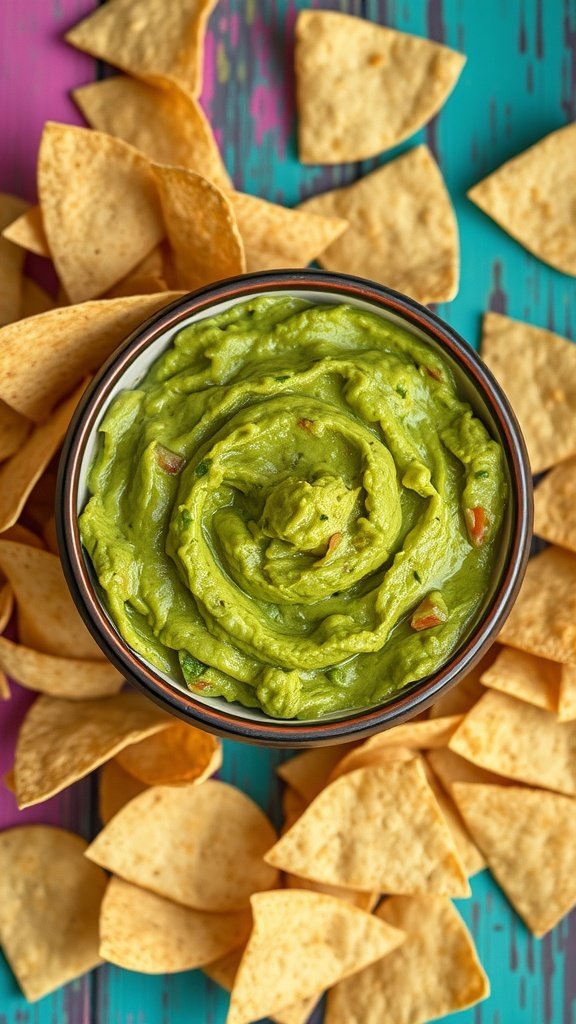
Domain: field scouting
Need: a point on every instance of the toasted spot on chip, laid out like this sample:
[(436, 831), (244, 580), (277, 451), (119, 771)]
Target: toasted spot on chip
[(61, 741), (115, 788), (529, 839), (519, 741), (526, 677), (72, 678), (50, 898), (11, 261), (533, 197), (308, 773), (28, 232), (403, 231), (362, 88), (555, 506), (145, 932), (434, 972), (14, 429), (543, 620), (190, 858), (179, 754), (275, 236), (340, 939)]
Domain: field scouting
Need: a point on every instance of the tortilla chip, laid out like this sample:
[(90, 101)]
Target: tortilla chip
[(61, 741), (28, 232), (11, 261), (22, 535), (364, 900), (458, 699), (273, 972), (6, 605), (275, 236), (526, 677), (190, 857), (363, 88), (20, 473), (224, 971), (115, 789), (47, 617), (137, 284), (4, 687), (567, 698), (308, 773), (449, 768), (435, 971), (100, 208), (70, 678), (533, 198), (144, 932), (50, 536), (50, 898), (201, 228), (529, 839), (364, 757), (537, 370), (543, 619), (340, 838), (45, 356), (167, 125), (403, 231), (293, 805), (176, 755), (34, 299), (149, 39), (14, 429), (472, 859), (555, 506), (424, 735), (519, 741)]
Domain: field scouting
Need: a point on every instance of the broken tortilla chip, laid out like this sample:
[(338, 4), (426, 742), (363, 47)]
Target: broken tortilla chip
[(526, 677), (543, 619), (176, 755), (403, 231), (555, 506), (50, 898), (529, 839), (519, 741), (190, 857), (14, 429), (143, 932), (435, 971), (11, 261), (308, 773), (61, 741), (71, 678), (115, 789), (533, 198), (537, 370), (363, 88), (275, 236)]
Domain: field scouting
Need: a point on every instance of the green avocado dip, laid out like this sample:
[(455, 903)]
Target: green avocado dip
[(294, 509)]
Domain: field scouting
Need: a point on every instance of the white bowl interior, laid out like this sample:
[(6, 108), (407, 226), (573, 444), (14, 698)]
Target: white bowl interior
[(140, 366)]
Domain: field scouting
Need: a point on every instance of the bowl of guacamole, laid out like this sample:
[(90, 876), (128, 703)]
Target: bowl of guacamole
[(294, 507)]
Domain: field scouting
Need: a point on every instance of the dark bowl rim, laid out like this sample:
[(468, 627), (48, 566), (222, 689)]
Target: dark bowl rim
[(223, 721)]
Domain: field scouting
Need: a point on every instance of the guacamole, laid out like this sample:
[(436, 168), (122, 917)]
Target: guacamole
[(294, 509)]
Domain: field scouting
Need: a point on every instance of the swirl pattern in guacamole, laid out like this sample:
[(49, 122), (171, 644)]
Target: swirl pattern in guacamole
[(295, 509)]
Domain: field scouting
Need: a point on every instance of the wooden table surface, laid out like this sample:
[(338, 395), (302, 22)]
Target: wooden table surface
[(518, 85)]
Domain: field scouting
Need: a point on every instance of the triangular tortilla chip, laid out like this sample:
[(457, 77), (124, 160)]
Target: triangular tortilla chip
[(50, 898), (224, 971), (61, 741), (340, 838), (537, 370), (149, 39), (449, 768), (364, 900), (190, 857), (71, 678), (44, 357), (403, 231), (167, 125), (533, 198), (543, 620), (472, 859), (28, 232), (11, 261), (362, 88), (529, 839), (339, 940), (519, 741), (115, 789), (13, 430), (567, 699), (34, 299), (555, 506), (144, 932), (308, 773), (179, 754), (47, 617), (435, 971), (364, 757), (424, 735), (458, 699), (201, 228), (276, 237), (100, 207), (526, 677)]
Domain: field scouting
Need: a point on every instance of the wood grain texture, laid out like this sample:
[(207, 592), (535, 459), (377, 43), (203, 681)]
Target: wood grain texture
[(519, 84)]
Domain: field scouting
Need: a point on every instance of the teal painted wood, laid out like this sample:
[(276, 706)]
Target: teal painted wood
[(519, 83)]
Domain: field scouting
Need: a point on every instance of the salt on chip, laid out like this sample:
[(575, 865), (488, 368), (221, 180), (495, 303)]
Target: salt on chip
[(27, 231), (143, 932), (70, 678), (403, 231), (149, 39), (166, 124), (176, 755), (340, 839), (362, 88), (47, 617), (11, 261), (14, 429), (273, 972), (543, 619), (529, 839), (204, 845), (115, 789), (275, 236), (45, 356), (436, 970), (537, 370), (201, 228), (533, 197), (223, 972), (555, 506), (50, 898), (526, 677), (100, 207), (519, 741), (308, 773)]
